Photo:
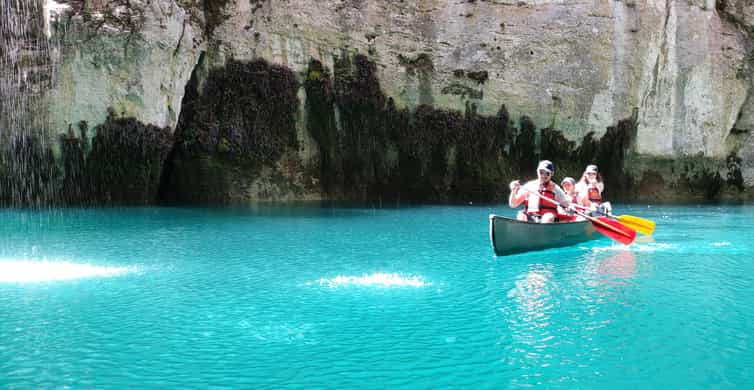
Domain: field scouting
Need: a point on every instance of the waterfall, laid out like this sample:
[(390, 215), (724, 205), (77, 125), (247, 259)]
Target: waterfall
[(27, 65)]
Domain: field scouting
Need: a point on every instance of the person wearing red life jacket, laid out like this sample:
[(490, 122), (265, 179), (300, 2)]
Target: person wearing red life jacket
[(538, 210), (589, 191), (568, 184)]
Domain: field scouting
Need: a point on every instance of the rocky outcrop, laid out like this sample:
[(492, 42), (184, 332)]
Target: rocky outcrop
[(131, 57), (428, 100), (578, 68), (234, 131), (741, 11), (741, 137)]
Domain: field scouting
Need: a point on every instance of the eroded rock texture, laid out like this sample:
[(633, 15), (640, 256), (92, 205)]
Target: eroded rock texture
[(425, 100)]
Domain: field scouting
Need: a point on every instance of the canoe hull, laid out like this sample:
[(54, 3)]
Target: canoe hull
[(510, 236)]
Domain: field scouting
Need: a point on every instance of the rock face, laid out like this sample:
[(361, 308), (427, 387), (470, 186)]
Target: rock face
[(26, 66), (742, 11), (422, 100), (134, 58)]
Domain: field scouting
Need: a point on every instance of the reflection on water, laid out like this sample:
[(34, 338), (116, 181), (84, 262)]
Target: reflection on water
[(581, 291), (532, 294), (382, 280), (617, 266), (220, 299), (27, 271), (532, 303)]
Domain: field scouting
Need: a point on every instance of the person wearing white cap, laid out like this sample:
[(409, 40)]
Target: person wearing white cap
[(568, 184), (589, 191), (538, 210)]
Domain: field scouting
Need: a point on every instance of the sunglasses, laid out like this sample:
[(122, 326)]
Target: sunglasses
[(544, 173)]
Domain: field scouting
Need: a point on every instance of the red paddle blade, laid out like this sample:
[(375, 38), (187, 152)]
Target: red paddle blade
[(614, 230)]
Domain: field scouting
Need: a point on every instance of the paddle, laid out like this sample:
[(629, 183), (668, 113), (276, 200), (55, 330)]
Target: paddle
[(641, 225), (604, 225)]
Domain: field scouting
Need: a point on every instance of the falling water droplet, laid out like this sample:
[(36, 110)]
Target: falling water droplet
[(27, 72)]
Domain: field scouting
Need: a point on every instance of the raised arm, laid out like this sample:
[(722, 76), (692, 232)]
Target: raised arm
[(516, 197)]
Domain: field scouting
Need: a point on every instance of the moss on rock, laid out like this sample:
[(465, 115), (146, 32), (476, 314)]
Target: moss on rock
[(376, 151), (28, 173), (241, 121), (122, 165), (126, 160), (370, 150), (239, 135)]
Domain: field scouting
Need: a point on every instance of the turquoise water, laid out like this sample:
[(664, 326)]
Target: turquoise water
[(306, 297)]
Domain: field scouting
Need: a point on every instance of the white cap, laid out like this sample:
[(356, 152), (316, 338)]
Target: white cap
[(569, 180), (591, 169), (546, 165)]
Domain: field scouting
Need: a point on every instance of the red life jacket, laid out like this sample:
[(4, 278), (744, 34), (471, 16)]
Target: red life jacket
[(544, 206), (594, 195), (566, 217)]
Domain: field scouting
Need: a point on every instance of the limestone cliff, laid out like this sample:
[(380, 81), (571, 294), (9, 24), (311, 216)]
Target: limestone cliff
[(134, 57), (421, 100)]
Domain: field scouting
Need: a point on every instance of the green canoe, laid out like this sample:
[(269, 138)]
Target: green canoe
[(510, 236)]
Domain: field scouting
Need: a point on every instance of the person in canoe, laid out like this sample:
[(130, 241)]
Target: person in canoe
[(589, 191), (538, 210), (568, 184)]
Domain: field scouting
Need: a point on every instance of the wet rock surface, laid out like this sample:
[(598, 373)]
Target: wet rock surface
[(230, 101)]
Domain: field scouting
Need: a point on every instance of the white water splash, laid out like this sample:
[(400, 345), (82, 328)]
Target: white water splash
[(381, 280), (723, 243), (650, 247), (34, 271)]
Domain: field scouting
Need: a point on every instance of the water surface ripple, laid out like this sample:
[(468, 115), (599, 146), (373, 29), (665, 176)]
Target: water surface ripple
[(345, 297)]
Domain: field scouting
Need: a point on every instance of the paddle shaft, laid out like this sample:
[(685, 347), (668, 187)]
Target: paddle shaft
[(591, 219), (585, 209)]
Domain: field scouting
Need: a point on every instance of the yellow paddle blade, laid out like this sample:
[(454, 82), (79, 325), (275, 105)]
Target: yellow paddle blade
[(641, 225)]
